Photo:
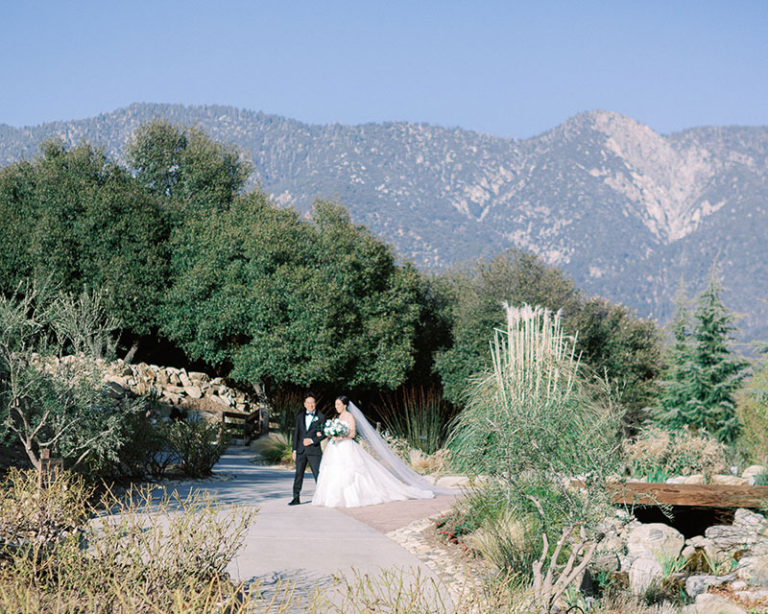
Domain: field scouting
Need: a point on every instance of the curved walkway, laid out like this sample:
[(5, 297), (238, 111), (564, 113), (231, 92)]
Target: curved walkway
[(305, 544)]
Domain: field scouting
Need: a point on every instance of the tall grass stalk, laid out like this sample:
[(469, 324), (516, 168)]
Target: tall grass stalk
[(530, 427), (417, 414)]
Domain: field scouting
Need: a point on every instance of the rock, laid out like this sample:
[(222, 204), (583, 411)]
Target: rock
[(753, 470), (218, 399), (750, 520), (452, 481), (174, 378), (198, 376), (644, 572), (707, 603), (750, 596), (728, 480), (696, 478), (695, 585), (121, 381), (161, 378), (193, 392), (731, 539), (185, 381), (176, 390), (655, 541), (753, 570), (115, 390)]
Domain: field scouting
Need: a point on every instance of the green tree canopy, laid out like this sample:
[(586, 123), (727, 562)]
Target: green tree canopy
[(74, 217), (290, 301)]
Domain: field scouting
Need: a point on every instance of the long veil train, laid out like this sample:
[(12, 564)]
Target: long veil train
[(381, 451)]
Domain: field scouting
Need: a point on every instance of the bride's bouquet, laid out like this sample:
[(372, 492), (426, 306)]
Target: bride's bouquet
[(335, 428)]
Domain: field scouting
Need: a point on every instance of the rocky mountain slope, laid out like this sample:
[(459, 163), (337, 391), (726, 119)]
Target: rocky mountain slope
[(623, 210)]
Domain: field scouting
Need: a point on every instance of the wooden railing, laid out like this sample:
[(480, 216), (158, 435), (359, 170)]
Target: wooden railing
[(243, 425)]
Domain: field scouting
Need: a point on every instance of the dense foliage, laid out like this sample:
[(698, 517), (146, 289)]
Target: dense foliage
[(180, 250), (613, 343)]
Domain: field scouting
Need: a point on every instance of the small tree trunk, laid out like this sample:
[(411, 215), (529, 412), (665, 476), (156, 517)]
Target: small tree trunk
[(132, 352)]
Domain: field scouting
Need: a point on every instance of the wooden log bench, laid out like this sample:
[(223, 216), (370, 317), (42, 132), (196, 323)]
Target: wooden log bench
[(690, 495)]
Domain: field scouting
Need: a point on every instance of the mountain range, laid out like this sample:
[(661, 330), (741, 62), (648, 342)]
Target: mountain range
[(624, 211)]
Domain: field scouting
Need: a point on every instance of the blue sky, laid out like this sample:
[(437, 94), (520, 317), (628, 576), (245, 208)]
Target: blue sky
[(505, 68)]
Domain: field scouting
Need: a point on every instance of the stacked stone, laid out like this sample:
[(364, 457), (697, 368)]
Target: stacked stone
[(174, 386), (645, 552)]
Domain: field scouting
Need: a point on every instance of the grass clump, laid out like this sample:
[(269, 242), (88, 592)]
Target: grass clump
[(149, 553), (275, 448)]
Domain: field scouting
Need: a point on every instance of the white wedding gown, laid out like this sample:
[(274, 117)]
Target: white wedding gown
[(351, 477)]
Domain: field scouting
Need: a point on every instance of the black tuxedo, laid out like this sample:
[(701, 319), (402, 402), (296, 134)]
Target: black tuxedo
[(307, 454)]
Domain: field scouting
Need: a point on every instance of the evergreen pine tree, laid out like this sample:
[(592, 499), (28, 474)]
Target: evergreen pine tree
[(704, 375), (677, 386), (717, 374)]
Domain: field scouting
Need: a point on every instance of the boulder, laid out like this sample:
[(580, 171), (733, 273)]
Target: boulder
[(728, 480), (695, 585), (654, 541), (750, 520), (198, 376), (185, 381), (752, 471), (753, 570), (708, 603), (193, 392), (696, 478), (644, 572), (699, 542)]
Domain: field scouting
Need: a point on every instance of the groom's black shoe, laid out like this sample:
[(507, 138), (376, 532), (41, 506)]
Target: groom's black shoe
[(295, 501)]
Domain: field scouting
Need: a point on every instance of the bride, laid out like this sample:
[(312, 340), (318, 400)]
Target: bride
[(351, 477)]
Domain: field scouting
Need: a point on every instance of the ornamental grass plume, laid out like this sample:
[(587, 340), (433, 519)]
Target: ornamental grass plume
[(533, 427)]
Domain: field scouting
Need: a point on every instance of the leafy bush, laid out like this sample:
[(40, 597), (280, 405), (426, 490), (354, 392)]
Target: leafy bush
[(658, 454), (752, 411), (285, 404), (50, 401), (198, 445)]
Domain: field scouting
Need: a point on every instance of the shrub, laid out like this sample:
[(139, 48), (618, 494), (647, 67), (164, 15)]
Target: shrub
[(152, 554), (198, 445), (285, 404), (530, 428), (40, 508), (658, 454), (51, 402), (752, 411), (275, 448)]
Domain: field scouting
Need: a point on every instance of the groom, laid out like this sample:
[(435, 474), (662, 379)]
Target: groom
[(306, 443)]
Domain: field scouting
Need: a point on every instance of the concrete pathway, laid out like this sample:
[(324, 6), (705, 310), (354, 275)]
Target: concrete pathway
[(306, 544)]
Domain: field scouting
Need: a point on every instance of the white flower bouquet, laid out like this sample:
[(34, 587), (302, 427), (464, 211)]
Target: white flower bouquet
[(335, 428)]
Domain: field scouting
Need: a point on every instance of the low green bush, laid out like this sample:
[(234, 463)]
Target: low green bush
[(198, 445)]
